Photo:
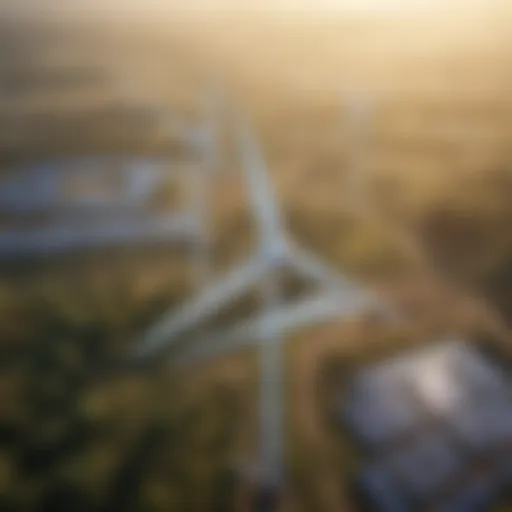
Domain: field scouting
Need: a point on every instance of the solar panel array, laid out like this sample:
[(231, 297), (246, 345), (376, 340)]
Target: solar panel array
[(81, 201), (97, 216), (435, 427)]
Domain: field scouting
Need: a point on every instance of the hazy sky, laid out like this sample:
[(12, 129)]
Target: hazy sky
[(287, 7), (324, 5)]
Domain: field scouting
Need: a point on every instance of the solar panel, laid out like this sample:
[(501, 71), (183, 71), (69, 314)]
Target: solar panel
[(477, 496), (504, 470), (428, 412), (42, 187), (476, 373), (426, 465), (382, 407), (381, 490), (484, 425)]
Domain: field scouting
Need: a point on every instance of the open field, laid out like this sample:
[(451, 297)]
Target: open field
[(431, 233)]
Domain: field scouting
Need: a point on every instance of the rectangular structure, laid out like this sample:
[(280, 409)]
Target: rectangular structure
[(422, 418)]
